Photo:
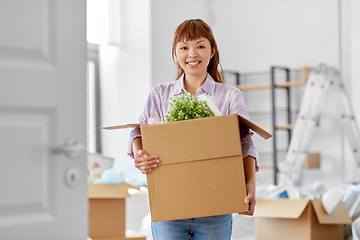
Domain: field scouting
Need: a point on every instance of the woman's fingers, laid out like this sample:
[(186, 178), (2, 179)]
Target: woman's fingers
[(251, 206), (250, 200), (140, 153), (145, 163), (139, 159), (147, 169), (140, 162)]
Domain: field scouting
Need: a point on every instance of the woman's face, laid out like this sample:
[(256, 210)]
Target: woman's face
[(194, 56)]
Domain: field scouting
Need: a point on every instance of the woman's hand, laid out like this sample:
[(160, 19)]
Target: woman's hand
[(249, 167), (145, 163), (250, 199)]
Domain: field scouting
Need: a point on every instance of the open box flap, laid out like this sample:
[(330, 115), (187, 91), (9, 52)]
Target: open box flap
[(97, 190), (340, 214), (244, 124), (264, 134), (130, 125), (201, 139), (280, 208)]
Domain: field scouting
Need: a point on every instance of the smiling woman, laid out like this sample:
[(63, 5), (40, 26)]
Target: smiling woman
[(196, 56), (200, 35), (193, 57)]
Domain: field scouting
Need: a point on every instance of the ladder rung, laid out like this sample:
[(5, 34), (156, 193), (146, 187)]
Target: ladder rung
[(285, 126), (253, 87), (290, 84), (304, 77), (267, 86), (312, 162), (282, 126)]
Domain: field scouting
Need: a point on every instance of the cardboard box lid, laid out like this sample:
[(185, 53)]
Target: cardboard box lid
[(244, 124), (293, 208), (107, 191), (280, 208), (193, 146), (340, 215), (264, 134)]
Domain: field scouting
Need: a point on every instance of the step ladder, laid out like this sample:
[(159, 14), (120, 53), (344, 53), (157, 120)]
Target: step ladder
[(319, 81)]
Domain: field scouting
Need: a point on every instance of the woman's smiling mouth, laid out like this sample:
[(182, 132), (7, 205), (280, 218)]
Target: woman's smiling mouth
[(193, 63)]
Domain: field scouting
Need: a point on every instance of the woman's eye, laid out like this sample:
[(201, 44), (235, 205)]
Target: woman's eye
[(201, 47), (183, 48)]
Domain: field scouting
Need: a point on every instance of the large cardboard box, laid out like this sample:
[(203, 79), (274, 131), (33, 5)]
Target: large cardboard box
[(300, 219), (201, 168), (107, 211)]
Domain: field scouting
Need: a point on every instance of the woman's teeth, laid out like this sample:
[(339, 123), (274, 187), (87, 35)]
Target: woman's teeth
[(193, 63)]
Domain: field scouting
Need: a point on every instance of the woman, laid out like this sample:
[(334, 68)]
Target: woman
[(196, 55)]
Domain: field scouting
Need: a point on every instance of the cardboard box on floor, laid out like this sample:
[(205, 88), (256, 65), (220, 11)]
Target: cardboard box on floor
[(201, 167), (301, 219), (107, 211)]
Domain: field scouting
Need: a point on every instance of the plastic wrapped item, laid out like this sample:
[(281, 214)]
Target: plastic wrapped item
[(356, 229), (262, 189), (97, 164), (286, 190), (111, 176), (133, 176), (331, 199), (130, 173), (352, 200), (243, 227), (319, 188), (145, 228)]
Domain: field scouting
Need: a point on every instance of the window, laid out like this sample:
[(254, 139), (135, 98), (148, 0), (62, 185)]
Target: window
[(103, 22), (103, 28), (93, 101)]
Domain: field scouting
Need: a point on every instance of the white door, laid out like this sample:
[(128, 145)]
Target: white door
[(42, 104)]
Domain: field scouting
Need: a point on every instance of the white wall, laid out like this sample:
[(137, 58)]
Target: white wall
[(165, 17), (126, 77), (350, 62), (252, 36)]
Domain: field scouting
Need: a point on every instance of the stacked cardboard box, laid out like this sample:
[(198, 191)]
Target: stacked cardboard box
[(107, 211)]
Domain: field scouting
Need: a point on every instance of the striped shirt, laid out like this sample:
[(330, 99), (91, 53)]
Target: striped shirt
[(228, 99)]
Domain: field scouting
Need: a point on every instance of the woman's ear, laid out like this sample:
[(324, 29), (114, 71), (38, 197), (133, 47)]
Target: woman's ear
[(212, 53)]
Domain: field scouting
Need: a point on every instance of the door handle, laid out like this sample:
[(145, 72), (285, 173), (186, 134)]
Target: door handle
[(72, 148)]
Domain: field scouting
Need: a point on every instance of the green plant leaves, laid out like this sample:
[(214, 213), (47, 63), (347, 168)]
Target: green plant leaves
[(187, 107)]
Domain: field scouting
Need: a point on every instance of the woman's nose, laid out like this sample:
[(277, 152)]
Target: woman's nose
[(192, 53)]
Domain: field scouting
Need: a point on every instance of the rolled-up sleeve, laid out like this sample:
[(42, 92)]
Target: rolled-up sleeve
[(135, 133), (151, 109), (238, 106)]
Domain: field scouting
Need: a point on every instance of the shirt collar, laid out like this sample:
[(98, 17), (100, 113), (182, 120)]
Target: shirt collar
[(179, 85), (208, 86)]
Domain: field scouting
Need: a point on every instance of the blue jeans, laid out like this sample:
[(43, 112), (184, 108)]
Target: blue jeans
[(205, 228)]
